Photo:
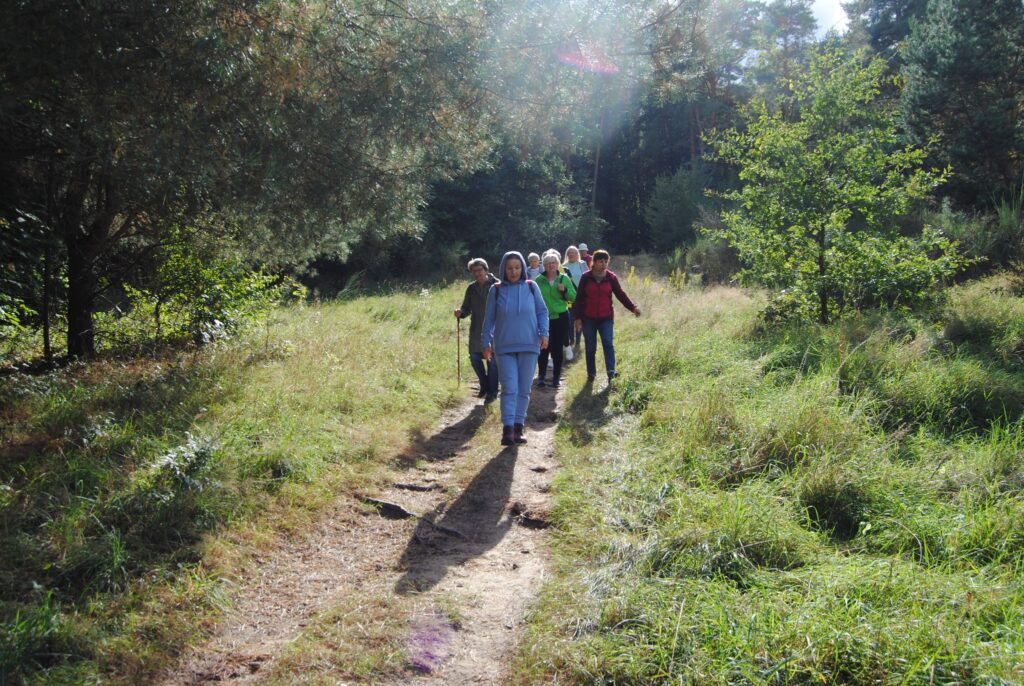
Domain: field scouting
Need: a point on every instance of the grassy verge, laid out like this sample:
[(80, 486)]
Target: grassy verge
[(130, 490), (802, 505)]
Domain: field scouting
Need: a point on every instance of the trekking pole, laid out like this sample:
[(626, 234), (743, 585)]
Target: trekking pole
[(458, 347)]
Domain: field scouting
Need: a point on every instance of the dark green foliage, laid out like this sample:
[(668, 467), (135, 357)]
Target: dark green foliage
[(674, 207), (293, 130), (885, 23), (964, 74), (715, 261)]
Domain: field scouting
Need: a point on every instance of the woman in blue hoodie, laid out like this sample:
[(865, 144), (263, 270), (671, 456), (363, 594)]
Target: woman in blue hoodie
[(515, 331)]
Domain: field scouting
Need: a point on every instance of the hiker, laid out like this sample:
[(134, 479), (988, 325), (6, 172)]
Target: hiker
[(473, 304), (558, 291), (574, 267), (585, 255), (534, 269), (515, 331), (595, 315)]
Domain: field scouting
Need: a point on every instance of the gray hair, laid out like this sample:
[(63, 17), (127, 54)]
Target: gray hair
[(551, 253), (476, 262)]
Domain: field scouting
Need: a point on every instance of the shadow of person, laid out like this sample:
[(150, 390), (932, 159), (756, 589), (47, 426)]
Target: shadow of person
[(586, 412), (446, 442), (542, 410), (475, 523)]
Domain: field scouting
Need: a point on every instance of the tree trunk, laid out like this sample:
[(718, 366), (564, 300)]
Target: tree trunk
[(84, 245), (47, 298), (822, 288), (81, 297), (597, 163)]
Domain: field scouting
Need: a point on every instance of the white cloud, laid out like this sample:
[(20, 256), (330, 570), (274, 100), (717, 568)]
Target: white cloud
[(830, 15)]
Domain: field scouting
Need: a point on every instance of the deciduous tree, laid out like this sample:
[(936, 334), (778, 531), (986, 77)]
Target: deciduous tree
[(820, 195)]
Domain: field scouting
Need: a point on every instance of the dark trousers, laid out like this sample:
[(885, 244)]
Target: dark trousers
[(558, 329), (486, 373)]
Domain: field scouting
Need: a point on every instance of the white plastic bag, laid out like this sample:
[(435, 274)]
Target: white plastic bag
[(567, 352)]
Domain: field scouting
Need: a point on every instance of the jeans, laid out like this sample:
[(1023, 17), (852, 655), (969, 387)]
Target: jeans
[(516, 372), (486, 373), (591, 329)]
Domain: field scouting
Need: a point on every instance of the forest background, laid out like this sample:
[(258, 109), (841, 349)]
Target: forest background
[(169, 164), (170, 173)]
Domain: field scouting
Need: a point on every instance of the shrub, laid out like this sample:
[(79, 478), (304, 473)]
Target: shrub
[(715, 260), (674, 207)]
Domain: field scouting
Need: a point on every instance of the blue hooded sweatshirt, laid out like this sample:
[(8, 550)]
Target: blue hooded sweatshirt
[(515, 316)]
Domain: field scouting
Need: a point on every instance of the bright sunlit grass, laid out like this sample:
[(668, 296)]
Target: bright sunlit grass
[(793, 505), (131, 489)]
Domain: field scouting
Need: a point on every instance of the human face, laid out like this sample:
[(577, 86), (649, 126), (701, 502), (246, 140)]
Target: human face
[(513, 270), (572, 255), (479, 274), (599, 266), (551, 268), (534, 262)]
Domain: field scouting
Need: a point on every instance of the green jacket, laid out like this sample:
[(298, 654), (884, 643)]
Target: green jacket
[(556, 301)]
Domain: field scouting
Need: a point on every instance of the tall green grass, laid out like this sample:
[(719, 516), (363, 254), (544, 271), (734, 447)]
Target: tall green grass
[(798, 505), (131, 488)]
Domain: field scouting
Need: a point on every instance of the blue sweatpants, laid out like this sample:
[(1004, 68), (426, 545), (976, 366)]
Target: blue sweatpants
[(516, 373)]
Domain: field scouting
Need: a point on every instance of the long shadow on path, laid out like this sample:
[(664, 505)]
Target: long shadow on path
[(445, 443), (478, 514)]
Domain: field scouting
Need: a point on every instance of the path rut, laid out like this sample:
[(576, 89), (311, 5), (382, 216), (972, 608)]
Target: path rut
[(473, 559)]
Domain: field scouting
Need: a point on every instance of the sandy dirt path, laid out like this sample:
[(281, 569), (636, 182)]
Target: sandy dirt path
[(472, 557)]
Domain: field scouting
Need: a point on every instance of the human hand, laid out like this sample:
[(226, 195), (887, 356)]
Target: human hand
[(636, 311), (543, 342), (579, 325), (458, 313), (561, 287), (487, 354)]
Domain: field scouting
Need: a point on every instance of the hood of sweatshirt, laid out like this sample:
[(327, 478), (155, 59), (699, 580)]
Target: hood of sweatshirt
[(522, 297), (504, 261)]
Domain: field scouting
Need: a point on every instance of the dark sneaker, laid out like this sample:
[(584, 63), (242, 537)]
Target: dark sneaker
[(590, 378), (507, 435), (490, 398), (541, 383), (556, 383), (612, 374)]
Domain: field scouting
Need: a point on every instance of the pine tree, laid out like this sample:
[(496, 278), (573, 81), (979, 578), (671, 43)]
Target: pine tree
[(964, 74)]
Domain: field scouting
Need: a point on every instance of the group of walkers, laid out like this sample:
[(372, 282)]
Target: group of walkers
[(532, 314)]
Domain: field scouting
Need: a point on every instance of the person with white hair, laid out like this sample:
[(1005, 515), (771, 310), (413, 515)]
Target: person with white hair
[(558, 291), (585, 255)]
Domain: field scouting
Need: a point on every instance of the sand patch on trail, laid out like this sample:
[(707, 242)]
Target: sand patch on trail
[(466, 564)]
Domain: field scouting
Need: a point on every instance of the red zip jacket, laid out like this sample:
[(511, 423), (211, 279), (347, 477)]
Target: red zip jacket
[(594, 300)]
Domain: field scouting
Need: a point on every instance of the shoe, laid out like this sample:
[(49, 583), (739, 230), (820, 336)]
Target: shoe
[(590, 378), (556, 383), (612, 374), (490, 398), (517, 433), (482, 394), (507, 435), (540, 383)]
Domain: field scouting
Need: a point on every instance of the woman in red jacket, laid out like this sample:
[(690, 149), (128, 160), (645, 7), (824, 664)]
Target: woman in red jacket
[(594, 313)]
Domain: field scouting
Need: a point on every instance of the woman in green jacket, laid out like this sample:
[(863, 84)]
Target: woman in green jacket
[(557, 290)]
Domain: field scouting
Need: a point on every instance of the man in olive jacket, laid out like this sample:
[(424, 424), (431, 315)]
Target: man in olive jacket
[(473, 305)]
